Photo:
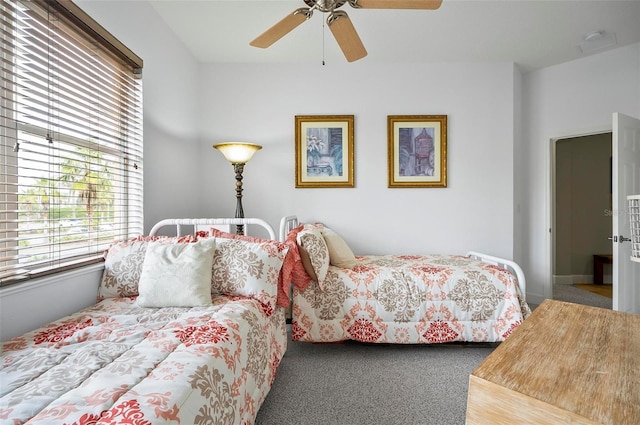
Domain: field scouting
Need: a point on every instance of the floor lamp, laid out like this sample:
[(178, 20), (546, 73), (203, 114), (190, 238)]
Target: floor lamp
[(238, 154)]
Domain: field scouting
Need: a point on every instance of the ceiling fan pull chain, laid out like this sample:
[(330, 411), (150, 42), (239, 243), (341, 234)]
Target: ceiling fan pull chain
[(323, 26)]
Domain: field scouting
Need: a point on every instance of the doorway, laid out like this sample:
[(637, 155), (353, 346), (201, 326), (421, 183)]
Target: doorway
[(582, 224)]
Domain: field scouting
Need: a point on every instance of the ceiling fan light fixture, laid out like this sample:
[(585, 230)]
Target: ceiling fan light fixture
[(325, 5)]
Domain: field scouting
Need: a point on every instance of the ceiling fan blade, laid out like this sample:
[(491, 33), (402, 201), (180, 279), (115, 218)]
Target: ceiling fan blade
[(396, 4), (346, 36), (282, 28)]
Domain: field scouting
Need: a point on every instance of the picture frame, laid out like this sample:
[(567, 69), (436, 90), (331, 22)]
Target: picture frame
[(324, 151), (417, 150)]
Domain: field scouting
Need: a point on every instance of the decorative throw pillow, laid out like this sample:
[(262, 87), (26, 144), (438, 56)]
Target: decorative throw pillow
[(340, 255), (123, 265), (248, 268), (306, 263), (283, 292), (314, 253), (177, 275), (296, 271)]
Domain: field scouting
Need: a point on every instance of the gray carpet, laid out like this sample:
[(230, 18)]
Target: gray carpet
[(354, 384), (576, 295)]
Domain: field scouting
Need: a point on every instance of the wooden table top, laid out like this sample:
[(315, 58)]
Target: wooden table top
[(582, 359)]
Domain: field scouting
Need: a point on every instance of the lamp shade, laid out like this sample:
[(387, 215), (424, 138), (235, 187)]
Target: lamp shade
[(237, 153)]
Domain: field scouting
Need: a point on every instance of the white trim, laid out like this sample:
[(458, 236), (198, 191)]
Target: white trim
[(570, 279), (551, 196), (563, 280)]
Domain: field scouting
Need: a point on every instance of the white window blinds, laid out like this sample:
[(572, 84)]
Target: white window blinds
[(71, 139)]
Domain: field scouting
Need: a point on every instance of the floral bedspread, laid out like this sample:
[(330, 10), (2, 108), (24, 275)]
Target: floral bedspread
[(116, 363), (410, 300)]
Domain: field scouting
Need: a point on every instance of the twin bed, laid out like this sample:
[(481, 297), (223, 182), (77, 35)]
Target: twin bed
[(172, 360), (163, 345), (407, 299)]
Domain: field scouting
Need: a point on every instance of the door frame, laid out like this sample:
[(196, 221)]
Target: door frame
[(551, 198)]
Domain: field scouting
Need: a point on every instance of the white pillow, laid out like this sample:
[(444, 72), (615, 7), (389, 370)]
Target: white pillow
[(340, 255), (177, 275), (123, 262)]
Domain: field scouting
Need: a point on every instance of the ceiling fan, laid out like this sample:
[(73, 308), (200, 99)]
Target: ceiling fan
[(338, 22)]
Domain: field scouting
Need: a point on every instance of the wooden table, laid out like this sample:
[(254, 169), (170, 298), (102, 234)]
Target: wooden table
[(599, 260), (566, 363)]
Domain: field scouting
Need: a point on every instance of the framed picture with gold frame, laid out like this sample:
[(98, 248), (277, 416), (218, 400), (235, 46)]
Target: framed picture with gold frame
[(417, 150), (324, 150)]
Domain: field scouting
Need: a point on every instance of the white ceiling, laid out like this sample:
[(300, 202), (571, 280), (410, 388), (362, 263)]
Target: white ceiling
[(533, 34)]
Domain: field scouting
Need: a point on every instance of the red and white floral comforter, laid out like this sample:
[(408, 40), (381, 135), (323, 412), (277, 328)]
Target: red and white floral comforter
[(116, 363), (410, 299)]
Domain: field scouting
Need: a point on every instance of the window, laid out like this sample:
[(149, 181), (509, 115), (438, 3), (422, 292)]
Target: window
[(71, 139)]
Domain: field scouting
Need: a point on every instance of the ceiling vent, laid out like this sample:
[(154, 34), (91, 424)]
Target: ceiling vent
[(597, 40)]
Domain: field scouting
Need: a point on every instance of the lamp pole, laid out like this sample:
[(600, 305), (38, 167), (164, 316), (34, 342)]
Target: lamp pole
[(239, 168)]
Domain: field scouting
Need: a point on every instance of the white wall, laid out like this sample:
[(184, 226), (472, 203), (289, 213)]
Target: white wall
[(171, 175), (188, 107), (170, 90), (258, 104), (32, 304), (570, 99)]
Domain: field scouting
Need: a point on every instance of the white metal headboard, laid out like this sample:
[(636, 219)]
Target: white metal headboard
[(287, 224), (177, 223)]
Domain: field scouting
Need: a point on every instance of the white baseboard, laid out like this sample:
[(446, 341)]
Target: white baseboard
[(563, 280), (578, 278)]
